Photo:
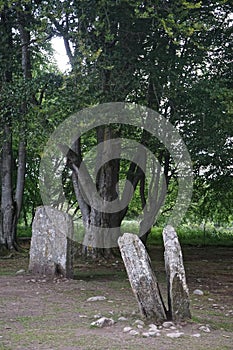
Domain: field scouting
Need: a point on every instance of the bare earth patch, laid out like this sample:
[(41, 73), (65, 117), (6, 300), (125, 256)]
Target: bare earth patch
[(43, 314)]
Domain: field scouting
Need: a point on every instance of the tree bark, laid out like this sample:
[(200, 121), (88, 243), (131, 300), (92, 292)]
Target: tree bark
[(11, 203), (7, 203)]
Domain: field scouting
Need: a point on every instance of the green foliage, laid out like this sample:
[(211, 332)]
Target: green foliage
[(173, 56)]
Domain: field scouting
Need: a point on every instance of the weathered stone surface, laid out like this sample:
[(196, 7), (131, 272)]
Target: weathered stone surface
[(51, 244), (141, 277), (178, 294)]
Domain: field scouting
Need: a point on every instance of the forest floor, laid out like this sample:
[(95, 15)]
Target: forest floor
[(44, 314)]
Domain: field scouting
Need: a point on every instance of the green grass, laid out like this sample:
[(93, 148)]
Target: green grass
[(24, 231), (196, 237), (188, 234)]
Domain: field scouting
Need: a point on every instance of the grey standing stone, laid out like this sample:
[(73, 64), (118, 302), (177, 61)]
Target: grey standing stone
[(142, 279), (51, 243), (178, 294)]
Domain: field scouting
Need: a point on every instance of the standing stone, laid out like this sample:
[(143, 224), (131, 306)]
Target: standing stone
[(178, 294), (141, 277), (51, 243)]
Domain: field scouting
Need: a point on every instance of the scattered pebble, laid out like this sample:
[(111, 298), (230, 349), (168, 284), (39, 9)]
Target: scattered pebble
[(20, 272), (153, 327), (139, 326), (145, 335), (97, 298), (122, 319), (153, 333), (175, 335), (139, 322), (173, 328), (196, 335), (103, 322), (198, 292), (127, 329), (133, 332), (168, 324), (97, 316), (204, 329)]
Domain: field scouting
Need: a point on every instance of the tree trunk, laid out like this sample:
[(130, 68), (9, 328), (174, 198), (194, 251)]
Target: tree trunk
[(11, 203), (7, 203)]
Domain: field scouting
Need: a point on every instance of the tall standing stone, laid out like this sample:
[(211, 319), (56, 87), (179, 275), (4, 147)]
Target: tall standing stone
[(142, 279), (178, 294), (51, 243)]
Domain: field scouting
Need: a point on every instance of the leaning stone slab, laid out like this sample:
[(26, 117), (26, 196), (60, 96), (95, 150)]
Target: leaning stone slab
[(142, 279), (51, 243), (178, 294)]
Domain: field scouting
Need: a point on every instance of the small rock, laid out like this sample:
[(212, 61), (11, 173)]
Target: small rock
[(97, 316), (196, 335), (153, 327), (173, 328), (204, 329), (175, 335), (139, 326), (168, 324), (122, 319), (20, 272), (103, 322), (153, 333), (198, 292), (97, 298), (140, 322), (145, 335), (127, 329), (133, 332)]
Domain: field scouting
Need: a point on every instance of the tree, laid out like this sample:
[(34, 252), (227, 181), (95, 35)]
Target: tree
[(164, 51), (21, 95)]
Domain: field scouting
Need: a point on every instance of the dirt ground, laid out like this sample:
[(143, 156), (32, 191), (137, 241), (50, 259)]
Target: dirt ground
[(38, 313)]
